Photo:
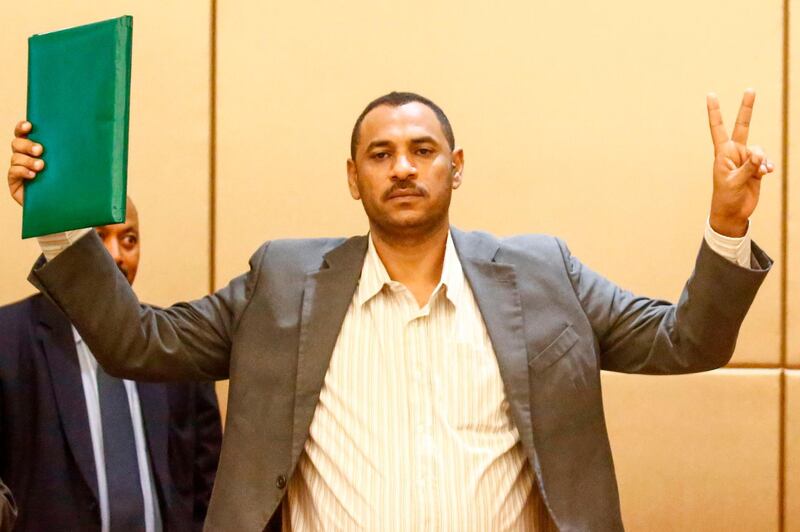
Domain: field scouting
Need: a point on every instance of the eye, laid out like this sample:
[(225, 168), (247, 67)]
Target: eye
[(424, 151), (129, 240), (380, 155)]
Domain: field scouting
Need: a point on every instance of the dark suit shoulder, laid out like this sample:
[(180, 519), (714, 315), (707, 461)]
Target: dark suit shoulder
[(13, 315), (17, 326), (19, 308)]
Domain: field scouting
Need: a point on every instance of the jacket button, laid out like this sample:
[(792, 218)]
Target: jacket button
[(280, 482)]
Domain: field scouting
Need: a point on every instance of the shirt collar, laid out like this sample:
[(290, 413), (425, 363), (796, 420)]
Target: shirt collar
[(374, 275), (76, 336)]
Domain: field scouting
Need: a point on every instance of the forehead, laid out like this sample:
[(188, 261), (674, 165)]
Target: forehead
[(131, 224), (413, 119)]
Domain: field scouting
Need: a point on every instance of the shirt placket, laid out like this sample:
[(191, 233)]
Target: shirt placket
[(416, 344)]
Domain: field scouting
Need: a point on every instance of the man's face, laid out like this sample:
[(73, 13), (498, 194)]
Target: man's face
[(404, 171), (122, 242)]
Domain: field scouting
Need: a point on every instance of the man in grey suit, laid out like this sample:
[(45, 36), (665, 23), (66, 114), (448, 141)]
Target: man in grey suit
[(419, 377)]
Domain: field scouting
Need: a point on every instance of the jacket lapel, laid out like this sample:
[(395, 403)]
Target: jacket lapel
[(55, 334), (154, 404), (326, 298), (494, 285)]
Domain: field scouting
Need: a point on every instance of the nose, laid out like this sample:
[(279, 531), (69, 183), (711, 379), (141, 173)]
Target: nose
[(403, 169)]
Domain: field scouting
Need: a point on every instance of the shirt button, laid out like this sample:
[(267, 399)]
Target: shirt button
[(280, 482)]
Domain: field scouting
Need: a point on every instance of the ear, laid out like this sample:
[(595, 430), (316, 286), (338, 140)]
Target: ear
[(457, 168), (352, 179)]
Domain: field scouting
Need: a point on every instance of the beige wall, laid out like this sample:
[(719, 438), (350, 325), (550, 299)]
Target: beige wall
[(697, 452), (793, 194), (586, 125), (589, 125)]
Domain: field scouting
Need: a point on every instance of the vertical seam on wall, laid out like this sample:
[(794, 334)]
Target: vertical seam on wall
[(212, 150), (784, 270), (784, 184), (782, 452)]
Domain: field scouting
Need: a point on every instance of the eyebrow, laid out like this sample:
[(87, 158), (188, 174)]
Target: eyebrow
[(424, 140), (378, 144)]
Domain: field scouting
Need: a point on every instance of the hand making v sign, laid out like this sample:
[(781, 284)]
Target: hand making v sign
[(738, 169)]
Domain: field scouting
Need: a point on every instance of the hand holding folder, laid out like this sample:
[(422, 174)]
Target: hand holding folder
[(78, 106), (24, 162)]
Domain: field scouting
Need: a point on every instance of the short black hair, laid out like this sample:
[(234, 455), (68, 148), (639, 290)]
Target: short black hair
[(396, 99)]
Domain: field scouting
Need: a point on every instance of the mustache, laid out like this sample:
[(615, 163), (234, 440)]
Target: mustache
[(405, 187)]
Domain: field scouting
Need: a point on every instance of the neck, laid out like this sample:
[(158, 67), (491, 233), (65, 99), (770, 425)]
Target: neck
[(416, 260)]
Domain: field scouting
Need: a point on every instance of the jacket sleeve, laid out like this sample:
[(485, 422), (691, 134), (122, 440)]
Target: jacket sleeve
[(187, 341), (208, 441), (642, 335)]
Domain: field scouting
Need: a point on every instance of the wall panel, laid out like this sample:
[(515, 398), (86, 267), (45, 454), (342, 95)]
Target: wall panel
[(169, 138), (792, 434), (696, 452), (793, 187), (590, 125)]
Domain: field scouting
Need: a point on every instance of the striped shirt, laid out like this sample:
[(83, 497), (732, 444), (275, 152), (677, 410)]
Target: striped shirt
[(412, 430)]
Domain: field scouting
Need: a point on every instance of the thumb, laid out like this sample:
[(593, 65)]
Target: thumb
[(752, 166)]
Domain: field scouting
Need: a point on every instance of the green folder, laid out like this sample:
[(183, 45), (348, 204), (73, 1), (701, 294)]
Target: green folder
[(78, 102)]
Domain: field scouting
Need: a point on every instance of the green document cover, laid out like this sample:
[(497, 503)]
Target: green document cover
[(78, 102)]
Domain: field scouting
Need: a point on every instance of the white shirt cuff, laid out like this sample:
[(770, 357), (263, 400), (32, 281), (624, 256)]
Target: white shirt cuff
[(736, 250), (54, 244)]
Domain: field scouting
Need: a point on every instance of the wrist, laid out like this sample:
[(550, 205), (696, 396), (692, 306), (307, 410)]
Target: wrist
[(733, 227)]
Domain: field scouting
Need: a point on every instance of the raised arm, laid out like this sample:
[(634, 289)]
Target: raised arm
[(187, 341), (641, 335)]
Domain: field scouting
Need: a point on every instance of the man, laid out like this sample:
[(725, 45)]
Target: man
[(419, 378), (8, 510), (85, 451)]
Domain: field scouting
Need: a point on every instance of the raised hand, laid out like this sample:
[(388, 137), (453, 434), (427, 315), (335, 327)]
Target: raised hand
[(738, 169), (25, 162)]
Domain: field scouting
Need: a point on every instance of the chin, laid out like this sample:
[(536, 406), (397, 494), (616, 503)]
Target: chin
[(410, 223), (409, 219)]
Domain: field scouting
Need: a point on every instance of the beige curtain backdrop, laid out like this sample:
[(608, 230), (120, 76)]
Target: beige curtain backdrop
[(582, 120)]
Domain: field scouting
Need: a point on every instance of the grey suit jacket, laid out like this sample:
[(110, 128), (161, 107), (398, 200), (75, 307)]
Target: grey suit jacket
[(554, 325)]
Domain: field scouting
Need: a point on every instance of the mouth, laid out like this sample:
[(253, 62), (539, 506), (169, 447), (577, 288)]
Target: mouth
[(400, 194)]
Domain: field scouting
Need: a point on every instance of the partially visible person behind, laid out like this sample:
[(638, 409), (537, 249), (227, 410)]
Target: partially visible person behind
[(82, 450), (8, 510)]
